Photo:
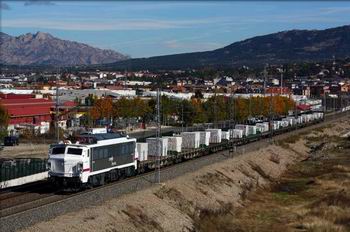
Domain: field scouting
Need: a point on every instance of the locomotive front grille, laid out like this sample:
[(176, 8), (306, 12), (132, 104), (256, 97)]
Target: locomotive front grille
[(58, 166), (61, 167)]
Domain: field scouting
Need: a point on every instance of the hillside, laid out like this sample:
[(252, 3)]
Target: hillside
[(44, 49), (277, 48)]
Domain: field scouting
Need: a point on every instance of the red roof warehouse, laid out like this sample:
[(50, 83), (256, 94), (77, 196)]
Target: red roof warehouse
[(26, 109)]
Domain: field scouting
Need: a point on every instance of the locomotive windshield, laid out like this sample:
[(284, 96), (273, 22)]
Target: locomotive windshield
[(74, 151), (61, 149), (58, 150)]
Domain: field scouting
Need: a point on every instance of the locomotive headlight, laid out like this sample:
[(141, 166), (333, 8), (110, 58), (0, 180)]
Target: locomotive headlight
[(80, 167), (48, 165)]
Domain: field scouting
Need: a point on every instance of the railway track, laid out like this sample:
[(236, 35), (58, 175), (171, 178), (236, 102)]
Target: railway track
[(19, 201)]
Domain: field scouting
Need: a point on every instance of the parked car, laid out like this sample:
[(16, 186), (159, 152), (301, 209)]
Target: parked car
[(11, 141)]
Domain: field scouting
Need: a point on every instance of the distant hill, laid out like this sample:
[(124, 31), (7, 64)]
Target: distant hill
[(276, 48), (44, 49)]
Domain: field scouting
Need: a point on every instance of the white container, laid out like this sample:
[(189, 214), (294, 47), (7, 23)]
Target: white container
[(262, 127), (292, 121), (142, 151), (242, 127), (300, 120), (285, 122), (276, 125), (251, 130), (190, 140), (236, 133), (305, 118), (174, 143), (97, 131), (215, 135), (225, 135), (204, 138), (153, 144)]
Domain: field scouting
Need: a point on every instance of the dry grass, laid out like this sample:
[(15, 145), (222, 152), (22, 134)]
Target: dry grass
[(141, 220), (312, 196)]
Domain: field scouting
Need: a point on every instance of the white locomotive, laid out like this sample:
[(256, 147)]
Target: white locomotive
[(96, 157)]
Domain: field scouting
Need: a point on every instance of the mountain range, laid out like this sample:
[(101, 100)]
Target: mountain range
[(44, 49), (277, 48)]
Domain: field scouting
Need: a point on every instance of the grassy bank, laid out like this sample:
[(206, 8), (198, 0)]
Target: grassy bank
[(314, 195)]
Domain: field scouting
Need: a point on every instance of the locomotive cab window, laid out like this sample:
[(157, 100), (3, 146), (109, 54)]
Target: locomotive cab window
[(74, 151), (58, 150)]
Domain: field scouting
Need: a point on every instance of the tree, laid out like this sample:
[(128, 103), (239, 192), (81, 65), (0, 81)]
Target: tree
[(4, 119), (102, 109)]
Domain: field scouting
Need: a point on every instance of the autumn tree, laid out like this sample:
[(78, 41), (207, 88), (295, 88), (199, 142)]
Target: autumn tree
[(102, 109), (4, 119)]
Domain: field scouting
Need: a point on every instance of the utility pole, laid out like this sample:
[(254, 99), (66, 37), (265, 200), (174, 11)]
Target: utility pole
[(282, 81), (57, 110), (215, 110), (158, 135), (182, 116)]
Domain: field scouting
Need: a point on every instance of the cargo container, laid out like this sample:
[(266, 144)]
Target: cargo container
[(305, 118), (225, 135), (251, 130), (276, 125), (215, 135), (97, 131), (291, 120), (236, 133), (204, 138), (190, 140), (285, 122), (242, 127), (153, 144), (262, 127), (142, 151), (174, 143)]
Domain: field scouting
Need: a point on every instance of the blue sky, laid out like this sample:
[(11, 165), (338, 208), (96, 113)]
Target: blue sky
[(146, 28)]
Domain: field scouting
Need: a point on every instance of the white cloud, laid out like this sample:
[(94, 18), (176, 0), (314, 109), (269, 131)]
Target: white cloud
[(113, 24), (192, 45), (39, 2)]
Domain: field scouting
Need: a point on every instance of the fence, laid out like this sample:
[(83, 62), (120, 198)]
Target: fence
[(12, 169)]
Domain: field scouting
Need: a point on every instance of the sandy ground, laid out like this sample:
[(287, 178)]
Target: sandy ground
[(176, 204), (25, 150)]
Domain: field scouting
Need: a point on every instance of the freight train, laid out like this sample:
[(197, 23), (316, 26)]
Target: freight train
[(98, 157)]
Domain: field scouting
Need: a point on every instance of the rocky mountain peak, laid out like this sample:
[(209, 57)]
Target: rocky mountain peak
[(44, 49)]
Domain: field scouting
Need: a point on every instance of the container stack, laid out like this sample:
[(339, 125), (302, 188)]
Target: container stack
[(142, 151), (204, 137), (174, 143), (215, 135), (153, 144), (190, 140)]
